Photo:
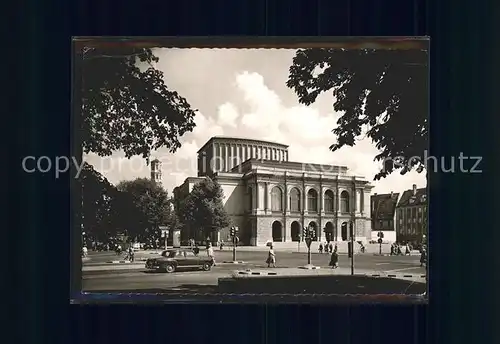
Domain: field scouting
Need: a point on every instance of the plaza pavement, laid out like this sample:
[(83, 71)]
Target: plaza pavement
[(133, 277)]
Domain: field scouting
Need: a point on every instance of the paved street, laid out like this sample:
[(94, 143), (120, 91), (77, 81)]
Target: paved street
[(101, 276)]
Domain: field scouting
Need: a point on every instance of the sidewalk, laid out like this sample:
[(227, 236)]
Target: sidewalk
[(322, 271)]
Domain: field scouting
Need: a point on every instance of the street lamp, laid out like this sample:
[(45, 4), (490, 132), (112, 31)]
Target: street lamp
[(351, 232)]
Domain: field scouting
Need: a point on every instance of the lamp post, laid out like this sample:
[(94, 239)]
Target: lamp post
[(351, 230)]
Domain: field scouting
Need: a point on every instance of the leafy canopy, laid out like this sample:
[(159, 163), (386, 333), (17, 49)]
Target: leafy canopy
[(382, 92), (127, 105), (98, 208), (203, 209), (144, 207)]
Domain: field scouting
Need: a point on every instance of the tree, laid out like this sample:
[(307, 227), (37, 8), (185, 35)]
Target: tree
[(127, 106), (381, 91), (203, 209), (98, 196), (145, 207)]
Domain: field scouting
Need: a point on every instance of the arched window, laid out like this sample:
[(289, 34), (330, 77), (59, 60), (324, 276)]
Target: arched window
[(312, 200), (294, 200), (344, 202), (329, 201), (276, 199)]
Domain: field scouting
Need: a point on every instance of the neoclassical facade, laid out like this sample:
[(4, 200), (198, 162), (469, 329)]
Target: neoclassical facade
[(271, 199)]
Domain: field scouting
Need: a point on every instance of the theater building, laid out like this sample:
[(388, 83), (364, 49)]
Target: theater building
[(411, 215), (271, 198)]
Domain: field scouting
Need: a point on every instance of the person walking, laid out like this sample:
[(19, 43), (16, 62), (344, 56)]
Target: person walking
[(271, 257), (84, 252), (196, 249), (131, 253), (334, 260), (320, 249), (210, 253), (423, 257)]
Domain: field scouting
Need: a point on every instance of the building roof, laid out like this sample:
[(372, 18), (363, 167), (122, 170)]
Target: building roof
[(384, 206), (408, 199), (290, 165), (223, 138)]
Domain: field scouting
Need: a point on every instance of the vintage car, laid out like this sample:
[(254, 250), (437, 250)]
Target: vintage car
[(172, 260)]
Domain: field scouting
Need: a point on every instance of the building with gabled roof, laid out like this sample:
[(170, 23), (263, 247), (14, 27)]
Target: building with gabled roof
[(383, 212), (411, 215)]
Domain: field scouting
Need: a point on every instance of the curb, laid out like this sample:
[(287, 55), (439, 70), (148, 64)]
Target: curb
[(392, 275), (235, 262), (309, 267), (257, 273), (124, 261)]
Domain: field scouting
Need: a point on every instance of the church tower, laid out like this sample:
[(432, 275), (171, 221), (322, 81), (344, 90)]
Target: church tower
[(156, 171)]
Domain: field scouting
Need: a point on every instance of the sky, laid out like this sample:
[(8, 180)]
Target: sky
[(242, 92)]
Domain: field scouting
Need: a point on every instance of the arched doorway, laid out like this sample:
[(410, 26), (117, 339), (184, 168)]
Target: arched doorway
[(343, 231), (277, 231), (295, 231), (314, 227), (329, 232)]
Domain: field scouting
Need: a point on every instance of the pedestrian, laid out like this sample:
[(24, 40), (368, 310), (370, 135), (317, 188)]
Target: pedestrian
[(407, 250), (84, 251), (271, 257), (423, 257), (221, 245), (320, 249), (331, 247), (210, 253), (362, 248), (196, 249), (392, 249), (131, 253), (334, 260)]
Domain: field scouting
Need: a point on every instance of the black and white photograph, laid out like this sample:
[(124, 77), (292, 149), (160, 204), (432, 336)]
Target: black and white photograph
[(264, 167)]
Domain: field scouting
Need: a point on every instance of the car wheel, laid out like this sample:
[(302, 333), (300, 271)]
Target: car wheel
[(206, 267), (169, 268)]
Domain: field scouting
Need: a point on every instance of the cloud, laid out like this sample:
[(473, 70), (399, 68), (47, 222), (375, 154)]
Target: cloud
[(227, 115)]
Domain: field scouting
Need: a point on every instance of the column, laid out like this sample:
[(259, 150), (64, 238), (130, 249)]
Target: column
[(266, 197), (286, 200), (304, 202), (321, 200), (257, 203), (220, 158), (226, 157), (243, 152), (212, 163), (359, 208), (286, 155)]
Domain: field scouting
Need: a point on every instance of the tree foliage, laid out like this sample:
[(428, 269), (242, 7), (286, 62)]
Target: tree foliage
[(127, 105), (382, 92), (203, 209), (98, 208), (144, 206)]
